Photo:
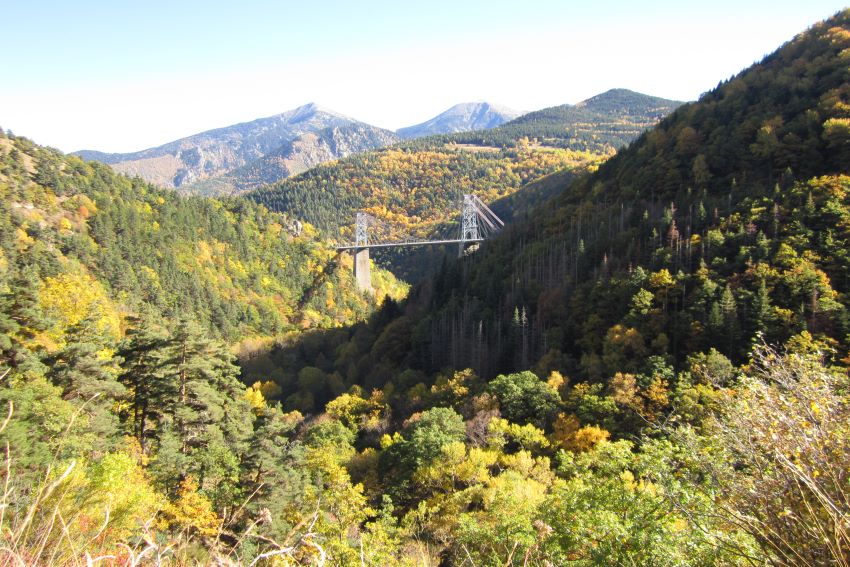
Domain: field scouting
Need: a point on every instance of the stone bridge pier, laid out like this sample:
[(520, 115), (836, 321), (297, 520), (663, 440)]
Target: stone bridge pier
[(362, 270)]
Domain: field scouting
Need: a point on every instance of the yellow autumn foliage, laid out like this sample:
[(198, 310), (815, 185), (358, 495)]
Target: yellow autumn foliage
[(570, 436), (255, 397), (192, 512), (69, 298)]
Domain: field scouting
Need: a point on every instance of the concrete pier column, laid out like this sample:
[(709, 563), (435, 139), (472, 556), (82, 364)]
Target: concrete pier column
[(362, 272)]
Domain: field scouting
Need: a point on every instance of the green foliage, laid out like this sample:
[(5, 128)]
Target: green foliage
[(21, 322), (87, 372), (331, 435), (608, 508), (432, 431), (524, 398), (526, 437), (45, 426), (786, 434)]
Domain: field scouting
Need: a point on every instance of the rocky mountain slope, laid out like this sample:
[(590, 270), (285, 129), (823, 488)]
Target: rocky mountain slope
[(462, 118), (218, 152), (297, 156)]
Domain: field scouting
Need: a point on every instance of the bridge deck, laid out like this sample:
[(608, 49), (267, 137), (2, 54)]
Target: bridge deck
[(407, 243)]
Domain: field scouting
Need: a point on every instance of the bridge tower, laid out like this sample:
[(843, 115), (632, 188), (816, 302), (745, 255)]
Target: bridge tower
[(477, 223), (469, 231), (362, 270)]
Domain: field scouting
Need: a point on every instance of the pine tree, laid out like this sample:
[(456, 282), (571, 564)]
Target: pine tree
[(21, 320), (87, 372), (8, 328), (273, 468), (190, 370), (171, 465), (761, 309), (209, 402), (729, 309), (149, 392)]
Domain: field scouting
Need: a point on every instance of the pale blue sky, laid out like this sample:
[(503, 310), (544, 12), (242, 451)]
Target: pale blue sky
[(122, 76)]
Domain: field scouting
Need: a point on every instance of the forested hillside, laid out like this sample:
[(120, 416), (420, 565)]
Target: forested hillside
[(723, 222), (240, 270), (652, 370), (119, 307), (411, 190)]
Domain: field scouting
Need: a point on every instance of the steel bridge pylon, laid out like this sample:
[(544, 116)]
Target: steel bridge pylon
[(477, 223), (361, 227), (362, 269), (468, 225)]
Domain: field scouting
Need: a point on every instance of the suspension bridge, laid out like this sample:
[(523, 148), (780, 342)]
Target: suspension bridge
[(477, 222)]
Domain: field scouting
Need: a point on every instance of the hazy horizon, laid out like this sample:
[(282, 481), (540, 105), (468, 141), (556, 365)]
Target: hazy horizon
[(118, 79)]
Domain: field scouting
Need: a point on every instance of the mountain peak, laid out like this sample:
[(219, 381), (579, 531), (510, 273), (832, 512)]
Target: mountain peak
[(462, 117), (311, 109), (622, 99), (613, 94)]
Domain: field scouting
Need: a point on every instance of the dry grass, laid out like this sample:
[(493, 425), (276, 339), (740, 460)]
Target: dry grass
[(778, 458)]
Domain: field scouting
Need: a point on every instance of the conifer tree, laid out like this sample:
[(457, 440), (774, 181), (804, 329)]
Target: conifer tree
[(20, 321), (761, 309), (87, 372), (149, 393), (729, 310), (203, 376), (209, 421)]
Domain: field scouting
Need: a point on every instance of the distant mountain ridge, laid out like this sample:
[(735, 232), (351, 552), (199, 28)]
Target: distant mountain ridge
[(419, 179), (218, 152), (248, 155), (603, 122), (462, 117)]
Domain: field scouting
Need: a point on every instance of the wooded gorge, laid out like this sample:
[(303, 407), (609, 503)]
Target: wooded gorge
[(648, 366)]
